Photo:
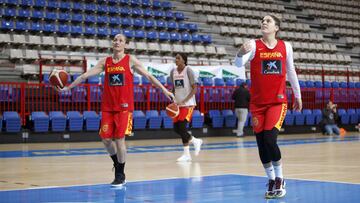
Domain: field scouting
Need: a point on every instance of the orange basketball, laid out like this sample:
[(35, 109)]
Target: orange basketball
[(58, 78), (172, 110)]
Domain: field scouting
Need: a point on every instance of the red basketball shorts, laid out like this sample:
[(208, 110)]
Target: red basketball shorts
[(266, 117), (184, 114), (115, 124)]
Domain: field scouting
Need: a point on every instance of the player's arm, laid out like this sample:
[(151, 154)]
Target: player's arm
[(139, 68), (245, 53), (191, 76), (97, 69), (292, 77)]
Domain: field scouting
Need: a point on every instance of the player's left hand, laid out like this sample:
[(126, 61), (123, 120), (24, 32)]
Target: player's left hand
[(169, 95), (297, 106)]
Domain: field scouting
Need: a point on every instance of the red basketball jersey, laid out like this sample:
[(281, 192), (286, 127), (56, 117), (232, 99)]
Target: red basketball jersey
[(118, 94), (268, 74)]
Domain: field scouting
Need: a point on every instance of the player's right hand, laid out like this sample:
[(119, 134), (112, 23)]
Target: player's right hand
[(245, 48), (61, 89)]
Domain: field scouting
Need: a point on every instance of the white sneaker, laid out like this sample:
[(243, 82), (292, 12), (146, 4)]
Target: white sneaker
[(197, 146), (184, 158)]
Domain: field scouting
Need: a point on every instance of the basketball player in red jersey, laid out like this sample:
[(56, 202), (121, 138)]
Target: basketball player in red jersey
[(118, 100), (271, 61)]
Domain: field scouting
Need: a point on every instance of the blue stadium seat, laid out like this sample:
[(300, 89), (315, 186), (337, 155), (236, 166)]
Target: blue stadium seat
[(195, 38), (40, 121), (137, 12), (144, 81), (343, 84), (53, 4), (7, 25), (125, 11), (102, 19), (77, 6), (230, 118), (91, 120), (230, 82), (27, 3), (78, 94), (139, 120), (207, 81), (175, 36), (299, 118), (135, 3), (63, 28), (166, 5), (64, 16), (310, 84), (160, 24), (154, 120), (309, 117), (90, 7), (49, 27), (344, 117), (113, 10), (327, 84), (148, 13), (152, 35), (171, 25), (149, 23), (102, 8), (57, 121), (139, 34), (90, 18), (50, 15), (164, 36), (182, 26), (114, 20), (167, 121), (169, 15), (21, 25), (289, 118), (114, 31), (75, 120), (146, 3), (139, 22), (351, 84), (9, 12), (65, 5), (239, 81), (126, 22), (302, 84), (353, 116), (318, 115), (77, 17), (76, 29), (217, 119), (124, 2), (1, 122), (156, 4), (206, 39), (95, 94), (94, 80), (129, 33), (24, 13), (197, 120), (102, 31), (159, 14), (185, 37), (192, 27), (179, 16), (335, 84), (318, 84), (11, 121), (219, 82)]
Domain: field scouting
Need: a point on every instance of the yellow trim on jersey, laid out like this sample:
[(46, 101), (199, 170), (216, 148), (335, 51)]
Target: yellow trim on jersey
[(282, 116), (189, 114), (129, 124)]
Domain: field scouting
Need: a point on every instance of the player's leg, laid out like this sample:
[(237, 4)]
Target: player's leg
[(106, 134), (123, 124), (274, 118), (242, 119), (258, 127)]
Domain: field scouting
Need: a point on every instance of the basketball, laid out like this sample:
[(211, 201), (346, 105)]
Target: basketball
[(58, 78), (172, 110)]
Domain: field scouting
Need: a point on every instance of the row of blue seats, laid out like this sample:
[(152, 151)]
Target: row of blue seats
[(328, 84), (105, 31), (86, 18), (90, 121), (227, 118), (66, 5)]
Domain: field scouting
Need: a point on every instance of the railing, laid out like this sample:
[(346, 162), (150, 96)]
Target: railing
[(26, 98)]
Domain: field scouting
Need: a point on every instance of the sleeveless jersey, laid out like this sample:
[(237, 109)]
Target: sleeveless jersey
[(118, 94), (268, 74), (182, 87)]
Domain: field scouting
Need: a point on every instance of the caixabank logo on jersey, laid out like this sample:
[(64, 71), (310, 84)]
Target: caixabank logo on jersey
[(271, 67)]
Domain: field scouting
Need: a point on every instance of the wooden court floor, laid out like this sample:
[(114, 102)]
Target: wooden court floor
[(307, 156)]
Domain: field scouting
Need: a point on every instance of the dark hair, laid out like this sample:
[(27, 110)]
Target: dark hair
[(277, 22), (184, 57)]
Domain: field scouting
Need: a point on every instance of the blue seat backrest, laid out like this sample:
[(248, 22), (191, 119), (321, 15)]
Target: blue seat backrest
[(335, 84), (318, 84), (227, 112), (219, 82), (307, 112), (138, 113), (213, 113)]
